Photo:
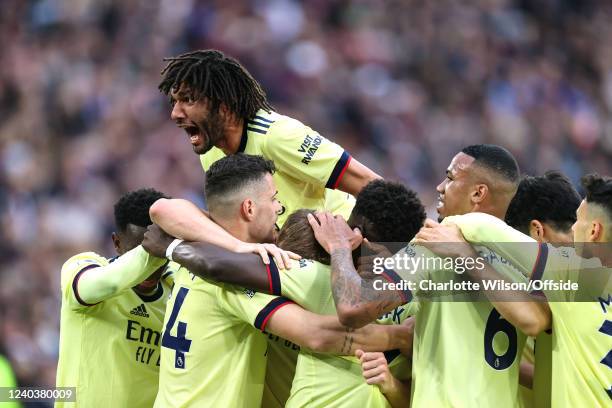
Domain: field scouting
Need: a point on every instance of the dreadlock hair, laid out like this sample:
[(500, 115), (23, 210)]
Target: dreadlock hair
[(550, 198), (133, 208), (599, 191), (220, 79)]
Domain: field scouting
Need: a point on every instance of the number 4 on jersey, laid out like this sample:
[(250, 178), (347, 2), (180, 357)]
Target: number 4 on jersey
[(178, 343)]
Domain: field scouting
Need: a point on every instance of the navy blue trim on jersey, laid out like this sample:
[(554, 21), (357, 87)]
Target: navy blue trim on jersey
[(251, 129), (266, 313), (539, 267), (264, 119), (159, 292), (75, 284), (338, 171), (273, 278), (263, 125), (243, 140), (391, 276), (390, 355)]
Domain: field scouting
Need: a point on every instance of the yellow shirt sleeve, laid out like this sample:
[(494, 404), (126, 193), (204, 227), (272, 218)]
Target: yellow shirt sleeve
[(88, 278), (249, 306)]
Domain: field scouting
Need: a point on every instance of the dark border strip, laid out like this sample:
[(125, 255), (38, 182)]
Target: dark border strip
[(338, 171), (391, 276), (75, 283), (266, 313)]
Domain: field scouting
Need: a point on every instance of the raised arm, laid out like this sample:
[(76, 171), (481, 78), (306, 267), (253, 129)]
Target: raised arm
[(325, 334), (525, 312), (183, 219), (356, 177), (99, 283), (357, 300), (209, 261)]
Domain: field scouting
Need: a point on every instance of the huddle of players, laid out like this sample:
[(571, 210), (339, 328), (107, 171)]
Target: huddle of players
[(208, 351)]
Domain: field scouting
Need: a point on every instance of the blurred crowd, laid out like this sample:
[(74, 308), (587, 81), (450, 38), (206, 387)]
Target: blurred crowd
[(400, 84)]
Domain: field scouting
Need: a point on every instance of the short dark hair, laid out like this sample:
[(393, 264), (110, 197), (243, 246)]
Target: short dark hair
[(221, 79), (550, 198), (599, 191), (234, 172), (297, 236), (396, 213), (133, 208), (495, 158)]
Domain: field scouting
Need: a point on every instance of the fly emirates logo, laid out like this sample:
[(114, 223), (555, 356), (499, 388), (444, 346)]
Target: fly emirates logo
[(147, 351)]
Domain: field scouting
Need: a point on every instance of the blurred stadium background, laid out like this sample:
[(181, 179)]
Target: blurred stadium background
[(402, 85)]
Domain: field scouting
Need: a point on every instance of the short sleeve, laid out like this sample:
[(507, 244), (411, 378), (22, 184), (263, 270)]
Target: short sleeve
[(251, 307), (306, 283), (301, 152), (339, 203)]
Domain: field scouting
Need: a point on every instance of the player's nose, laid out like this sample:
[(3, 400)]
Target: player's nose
[(178, 113)]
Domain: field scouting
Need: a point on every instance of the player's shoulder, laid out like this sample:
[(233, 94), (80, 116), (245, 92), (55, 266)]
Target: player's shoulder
[(80, 262), (84, 259), (211, 156), (304, 264), (275, 124), (473, 216)]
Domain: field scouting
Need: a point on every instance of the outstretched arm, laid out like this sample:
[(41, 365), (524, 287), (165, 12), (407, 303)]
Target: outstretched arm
[(358, 302), (183, 219), (325, 334), (209, 261), (102, 282), (356, 177), (524, 311)]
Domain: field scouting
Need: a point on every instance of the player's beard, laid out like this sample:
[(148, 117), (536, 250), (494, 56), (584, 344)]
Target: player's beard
[(212, 130)]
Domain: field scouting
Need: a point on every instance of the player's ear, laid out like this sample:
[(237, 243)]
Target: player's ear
[(116, 241), (479, 193), (536, 230), (226, 114), (596, 231), (247, 209)]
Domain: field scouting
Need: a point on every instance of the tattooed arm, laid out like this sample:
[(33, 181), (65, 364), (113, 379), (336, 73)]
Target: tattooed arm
[(325, 334), (357, 299)]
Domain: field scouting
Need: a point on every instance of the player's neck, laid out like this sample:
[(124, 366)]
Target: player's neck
[(236, 228), (491, 210), (233, 136)]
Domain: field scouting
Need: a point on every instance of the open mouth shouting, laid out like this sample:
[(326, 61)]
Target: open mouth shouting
[(195, 135)]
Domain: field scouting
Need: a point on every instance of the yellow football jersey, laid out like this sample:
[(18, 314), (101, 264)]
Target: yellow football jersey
[(581, 342), (109, 351), (325, 380), (212, 355), (464, 353), (542, 376), (306, 163)]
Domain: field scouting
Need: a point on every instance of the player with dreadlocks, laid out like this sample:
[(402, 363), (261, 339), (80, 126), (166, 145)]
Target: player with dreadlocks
[(225, 111)]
